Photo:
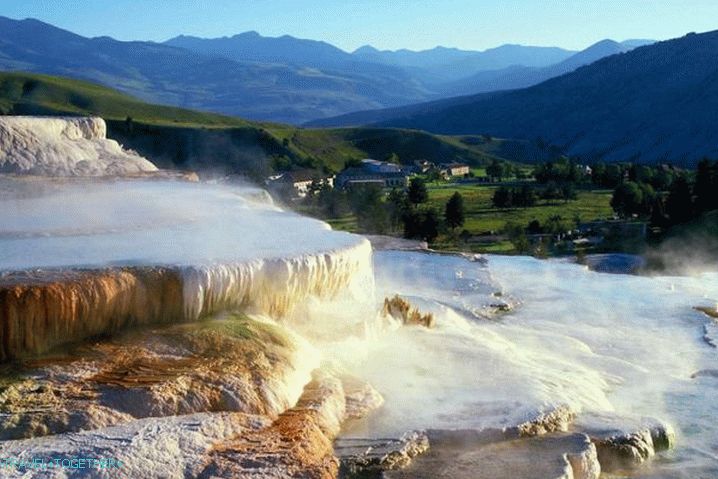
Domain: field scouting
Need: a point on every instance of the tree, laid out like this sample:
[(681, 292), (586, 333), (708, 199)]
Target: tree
[(366, 203), (503, 197), (568, 192), (393, 158), (627, 199), (430, 225), (398, 204), (706, 187), (524, 196), (411, 218), (517, 236), (496, 169), (421, 223), (333, 201), (454, 211), (534, 227), (417, 191), (679, 204), (129, 124), (556, 225)]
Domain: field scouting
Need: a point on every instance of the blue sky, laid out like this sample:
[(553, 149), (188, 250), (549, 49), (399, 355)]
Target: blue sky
[(386, 24)]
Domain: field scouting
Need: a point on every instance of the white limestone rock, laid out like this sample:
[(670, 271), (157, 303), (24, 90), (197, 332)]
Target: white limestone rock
[(64, 146)]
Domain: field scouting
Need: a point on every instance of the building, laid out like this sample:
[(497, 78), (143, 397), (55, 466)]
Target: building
[(423, 166), (585, 170), (299, 182), (454, 169), (376, 166), (361, 175)]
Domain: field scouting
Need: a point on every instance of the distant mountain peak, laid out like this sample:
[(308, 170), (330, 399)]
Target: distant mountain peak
[(365, 49), (621, 108)]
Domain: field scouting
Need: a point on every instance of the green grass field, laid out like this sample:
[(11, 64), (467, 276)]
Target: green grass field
[(483, 218)]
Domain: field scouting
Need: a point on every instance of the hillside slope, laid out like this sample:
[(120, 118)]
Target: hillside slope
[(655, 103), (211, 143), (520, 76)]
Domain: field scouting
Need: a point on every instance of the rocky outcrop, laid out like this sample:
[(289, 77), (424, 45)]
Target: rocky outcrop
[(364, 457), (490, 455), (297, 444), (711, 311), (229, 364), (625, 442), (164, 447), (401, 310), (233, 396), (361, 397), (52, 146), (553, 420)]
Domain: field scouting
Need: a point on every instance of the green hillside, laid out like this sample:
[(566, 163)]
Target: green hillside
[(26, 93), (207, 142)]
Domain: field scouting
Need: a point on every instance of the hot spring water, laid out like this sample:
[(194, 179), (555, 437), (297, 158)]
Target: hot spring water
[(597, 342), (618, 344)]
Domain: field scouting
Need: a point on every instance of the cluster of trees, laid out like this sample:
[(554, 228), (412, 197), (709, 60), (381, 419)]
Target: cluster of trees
[(526, 195), (611, 175), (567, 171), (686, 197), (523, 196), (421, 221), (500, 170), (554, 225), (560, 172), (406, 211)]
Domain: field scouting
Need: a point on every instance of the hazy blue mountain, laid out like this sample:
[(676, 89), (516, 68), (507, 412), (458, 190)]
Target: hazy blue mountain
[(443, 64), (517, 76), (637, 42), (177, 76), (253, 47), (654, 103)]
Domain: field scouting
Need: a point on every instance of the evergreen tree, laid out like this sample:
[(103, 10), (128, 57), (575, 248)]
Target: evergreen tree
[(398, 204), (430, 225), (679, 204), (627, 199), (706, 187), (496, 169), (417, 191), (503, 198), (454, 212)]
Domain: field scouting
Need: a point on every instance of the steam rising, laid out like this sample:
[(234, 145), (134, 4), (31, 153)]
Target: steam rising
[(599, 343)]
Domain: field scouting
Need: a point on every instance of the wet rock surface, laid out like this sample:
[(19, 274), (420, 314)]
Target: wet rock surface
[(167, 447), (364, 457), (229, 397), (489, 455), (711, 311), (625, 442), (402, 310), (230, 364)]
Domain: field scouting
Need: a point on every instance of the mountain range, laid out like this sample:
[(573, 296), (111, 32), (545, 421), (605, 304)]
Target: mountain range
[(278, 79), (656, 103)]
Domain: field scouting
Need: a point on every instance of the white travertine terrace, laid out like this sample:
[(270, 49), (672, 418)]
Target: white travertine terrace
[(64, 147), (81, 259)]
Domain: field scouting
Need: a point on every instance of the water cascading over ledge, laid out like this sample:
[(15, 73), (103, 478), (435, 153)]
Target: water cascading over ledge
[(139, 253)]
